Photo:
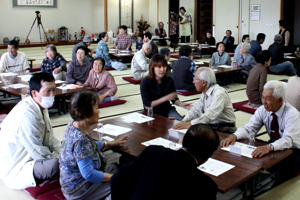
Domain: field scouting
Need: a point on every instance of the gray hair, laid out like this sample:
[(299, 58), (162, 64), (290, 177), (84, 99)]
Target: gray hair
[(277, 38), (278, 89), (164, 51), (52, 48), (160, 23), (246, 46), (208, 75)]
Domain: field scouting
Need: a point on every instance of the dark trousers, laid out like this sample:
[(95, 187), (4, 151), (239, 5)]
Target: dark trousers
[(185, 39), (173, 40)]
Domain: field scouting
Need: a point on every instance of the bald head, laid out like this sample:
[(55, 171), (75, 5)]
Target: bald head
[(147, 48)]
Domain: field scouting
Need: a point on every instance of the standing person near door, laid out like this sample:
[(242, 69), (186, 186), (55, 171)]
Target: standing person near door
[(186, 25)]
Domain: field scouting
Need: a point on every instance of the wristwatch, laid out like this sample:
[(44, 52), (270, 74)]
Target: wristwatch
[(272, 147)]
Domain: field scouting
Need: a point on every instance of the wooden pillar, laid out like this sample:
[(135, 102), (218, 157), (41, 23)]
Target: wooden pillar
[(105, 16)]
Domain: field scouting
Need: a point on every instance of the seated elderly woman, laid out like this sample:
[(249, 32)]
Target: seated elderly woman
[(79, 69), (258, 77), (102, 81), (54, 63), (158, 89), (220, 57), (83, 170), (245, 60)]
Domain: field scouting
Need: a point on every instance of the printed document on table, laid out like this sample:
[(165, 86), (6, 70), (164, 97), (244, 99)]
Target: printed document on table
[(137, 118), (59, 81), (225, 66), (199, 63), (25, 77), (163, 142), (70, 86), (9, 74), (112, 130), (245, 149), (18, 85), (180, 130), (215, 167)]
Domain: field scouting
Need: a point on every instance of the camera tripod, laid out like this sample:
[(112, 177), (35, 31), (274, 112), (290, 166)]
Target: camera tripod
[(39, 22)]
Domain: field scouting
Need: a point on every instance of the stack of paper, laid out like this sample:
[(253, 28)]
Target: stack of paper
[(215, 167), (199, 63), (225, 66), (112, 130), (18, 85), (25, 77), (137, 118), (180, 130), (240, 149), (70, 86), (163, 142), (59, 81), (9, 74), (289, 57)]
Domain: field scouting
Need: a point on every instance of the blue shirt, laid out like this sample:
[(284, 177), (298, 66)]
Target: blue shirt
[(77, 146), (193, 67), (103, 52), (237, 52), (255, 48)]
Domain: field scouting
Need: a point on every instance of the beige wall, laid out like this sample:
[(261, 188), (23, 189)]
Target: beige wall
[(70, 13)]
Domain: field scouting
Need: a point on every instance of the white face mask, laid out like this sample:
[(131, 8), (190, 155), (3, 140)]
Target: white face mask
[(47, 102)]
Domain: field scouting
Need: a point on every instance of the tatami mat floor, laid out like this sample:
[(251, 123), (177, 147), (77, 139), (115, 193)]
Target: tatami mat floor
[(128, 92)]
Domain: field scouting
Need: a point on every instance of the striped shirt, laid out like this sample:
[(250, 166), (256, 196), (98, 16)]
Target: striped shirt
[(123, 41)]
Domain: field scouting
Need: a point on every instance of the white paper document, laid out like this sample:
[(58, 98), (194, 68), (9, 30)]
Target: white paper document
[(59, 81), (215, 167), (25, 77), (9, 74), (241, 149), (225, 66), (18, 85), (180, 130), (137, 118), (163, 142), (112, 130), (199, 63), (290, 57), (70, 86), (107, 138)]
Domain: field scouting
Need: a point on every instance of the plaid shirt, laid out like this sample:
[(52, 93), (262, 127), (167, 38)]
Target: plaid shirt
[(193, 67), (188, 17), (49, 65), (123, 41)]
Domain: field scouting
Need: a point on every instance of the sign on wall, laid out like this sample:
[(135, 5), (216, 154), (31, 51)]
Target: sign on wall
[(255, 12), (35, 3)]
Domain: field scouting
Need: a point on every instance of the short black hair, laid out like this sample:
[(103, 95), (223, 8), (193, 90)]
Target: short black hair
[(264, 56), (260, 36), (182, 9), (201, 141), (13, 42), (86, 50), (36, 80), (245, 37), (283, 23), (81, 105), (123, 27), (208, 31), (102, 60), (229, 31), (148, 35), (217, 45), (185, 50), (102, 35), (164, 51)]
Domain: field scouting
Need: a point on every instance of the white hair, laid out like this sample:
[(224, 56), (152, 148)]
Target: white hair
[(208, 75), (246, 46), (278, 88)]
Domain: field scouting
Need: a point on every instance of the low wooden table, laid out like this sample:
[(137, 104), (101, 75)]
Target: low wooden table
[(60, 96), (119, 54), (242, 174)]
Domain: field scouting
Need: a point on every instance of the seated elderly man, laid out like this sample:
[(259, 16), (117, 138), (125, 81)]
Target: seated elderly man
[(78, 70), (214, 106), (13, 60), (278, 64), (281, 120), (154, 173), (245, 60), (29, 151), (123, 40), (140, 62), (160, 32)]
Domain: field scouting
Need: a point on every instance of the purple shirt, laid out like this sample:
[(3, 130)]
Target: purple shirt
[(77, 72)]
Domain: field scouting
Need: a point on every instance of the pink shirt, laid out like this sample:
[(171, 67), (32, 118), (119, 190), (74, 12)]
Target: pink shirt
[(105, 82), (123, 41)]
